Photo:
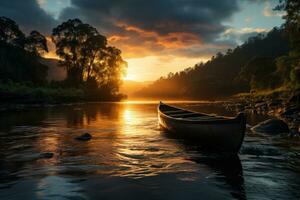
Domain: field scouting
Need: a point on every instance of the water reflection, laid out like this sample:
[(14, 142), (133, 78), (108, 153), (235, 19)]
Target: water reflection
[(129, 153), (226, 167)]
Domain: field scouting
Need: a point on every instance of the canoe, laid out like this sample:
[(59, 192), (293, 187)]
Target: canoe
[(215, 132)]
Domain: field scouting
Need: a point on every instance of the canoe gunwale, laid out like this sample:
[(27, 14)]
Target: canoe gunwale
[(218, 119)]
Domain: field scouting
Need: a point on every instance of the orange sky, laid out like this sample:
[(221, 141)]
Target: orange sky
[(146, 62)]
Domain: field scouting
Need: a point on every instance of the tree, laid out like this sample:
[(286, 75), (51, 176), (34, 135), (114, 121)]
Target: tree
[(292, 20), (19, 54), (292, 28), (36, 43), (10, 33), (78, 45), (87, 58)]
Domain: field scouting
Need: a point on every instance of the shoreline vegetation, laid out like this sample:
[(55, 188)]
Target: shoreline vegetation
[(27, 94), (94, 70)]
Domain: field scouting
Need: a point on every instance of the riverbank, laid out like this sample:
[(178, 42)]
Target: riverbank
[(281, 103), (26, 94)]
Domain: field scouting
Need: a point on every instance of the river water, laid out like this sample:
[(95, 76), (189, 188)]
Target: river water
[(130, 157)]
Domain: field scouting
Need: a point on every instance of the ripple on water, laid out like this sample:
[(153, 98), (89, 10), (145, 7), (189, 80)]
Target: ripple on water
[(129, 154)]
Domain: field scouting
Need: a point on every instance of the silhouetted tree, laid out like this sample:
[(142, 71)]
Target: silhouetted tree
[(36, 43), (86, 56), (19, 54), (10, 33)]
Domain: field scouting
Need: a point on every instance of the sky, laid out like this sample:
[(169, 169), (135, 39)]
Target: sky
[(158, 36)]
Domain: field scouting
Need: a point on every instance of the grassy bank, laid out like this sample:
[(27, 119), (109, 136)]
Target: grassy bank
[(278, 93), (26, 93)]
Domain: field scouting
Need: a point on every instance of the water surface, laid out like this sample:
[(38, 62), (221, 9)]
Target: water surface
[(130, 157)]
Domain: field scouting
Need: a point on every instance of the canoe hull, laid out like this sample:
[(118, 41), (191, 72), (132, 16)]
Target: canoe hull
[(219, 135)]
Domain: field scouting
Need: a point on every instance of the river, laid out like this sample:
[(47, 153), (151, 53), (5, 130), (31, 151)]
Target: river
[(130, 157)]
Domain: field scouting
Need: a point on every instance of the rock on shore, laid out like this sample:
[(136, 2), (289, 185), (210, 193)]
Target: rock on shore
[(271, 126)]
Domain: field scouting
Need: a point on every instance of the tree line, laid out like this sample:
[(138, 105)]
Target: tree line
[(91, 64), (264, 62)]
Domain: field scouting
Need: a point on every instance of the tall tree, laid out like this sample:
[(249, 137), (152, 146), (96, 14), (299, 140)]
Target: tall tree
[(78, 45), (19, 54), (10, 33), (292, 28), (36, 43), (86, 56)]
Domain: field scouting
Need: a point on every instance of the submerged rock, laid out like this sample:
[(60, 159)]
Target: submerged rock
[(271, 126), (84, 137)]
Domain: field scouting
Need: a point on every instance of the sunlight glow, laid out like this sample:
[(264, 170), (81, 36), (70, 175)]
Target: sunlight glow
[(127, 116), (130, 77), (152, 67)]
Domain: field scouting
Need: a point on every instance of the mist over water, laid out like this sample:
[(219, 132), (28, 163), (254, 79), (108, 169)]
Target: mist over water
[(130, 157)]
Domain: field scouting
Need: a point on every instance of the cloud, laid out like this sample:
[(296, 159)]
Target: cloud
[(248, 19), (153, 27), (27, 14), (186, 28), (238, 36), (269, 11), (163, 17)]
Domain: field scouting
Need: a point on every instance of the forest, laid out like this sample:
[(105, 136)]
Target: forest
[(264, 63), (94, 69)]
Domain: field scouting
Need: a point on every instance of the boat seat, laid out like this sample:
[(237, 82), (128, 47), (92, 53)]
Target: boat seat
[(174, 111), (184, 114), (204, 118)]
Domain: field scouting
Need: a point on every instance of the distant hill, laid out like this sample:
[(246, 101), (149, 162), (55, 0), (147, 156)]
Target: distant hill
[(130, 87), (224, 74), (55, 72)]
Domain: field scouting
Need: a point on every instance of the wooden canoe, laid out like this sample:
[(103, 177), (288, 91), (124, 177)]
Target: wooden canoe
[(216, 132)]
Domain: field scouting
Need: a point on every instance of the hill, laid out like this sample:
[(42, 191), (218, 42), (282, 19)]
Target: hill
[(130, 87), (222, 76), (55, 72)]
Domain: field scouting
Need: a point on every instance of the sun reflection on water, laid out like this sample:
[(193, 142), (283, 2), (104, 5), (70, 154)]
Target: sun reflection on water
[(128, 116)]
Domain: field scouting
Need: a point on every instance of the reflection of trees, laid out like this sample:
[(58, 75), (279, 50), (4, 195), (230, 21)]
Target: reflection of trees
[(20, 118), (85, 114), (16, 143)]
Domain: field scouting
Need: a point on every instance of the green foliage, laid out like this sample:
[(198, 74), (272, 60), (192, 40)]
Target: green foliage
[(291, 62), (260, 74), (26, 93)]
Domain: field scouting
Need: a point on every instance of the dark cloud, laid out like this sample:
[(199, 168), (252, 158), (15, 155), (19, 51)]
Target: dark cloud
[(169, 26), (27, 14), (142, 27), (201, 17)]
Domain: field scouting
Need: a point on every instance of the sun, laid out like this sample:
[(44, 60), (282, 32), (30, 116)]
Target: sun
[(129, 77)]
